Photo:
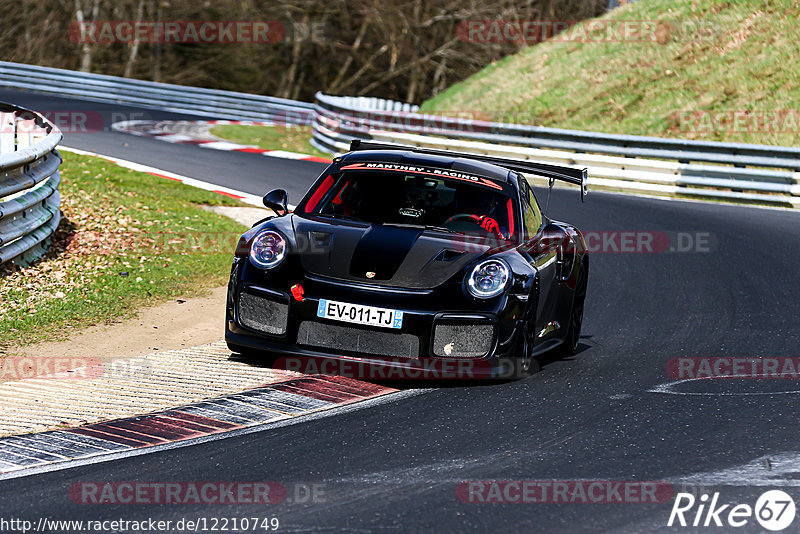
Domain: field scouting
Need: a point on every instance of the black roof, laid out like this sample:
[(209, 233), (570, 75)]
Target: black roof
[(406, 157)]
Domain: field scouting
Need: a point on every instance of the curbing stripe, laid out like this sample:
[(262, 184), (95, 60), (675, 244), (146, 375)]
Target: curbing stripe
[(17, 459), (58, 449), (292, 400), (150, 129), (154, 430), (260, 405), (269, 405), (50, 443), (348, 385), (247, 409), (86, 441), (253, 413), (105, 436), (318, 390), (312, 394), (127, 433), (5, 467), (183, 424), (209, 410), (33, 452), (215, 424), (39, 456)]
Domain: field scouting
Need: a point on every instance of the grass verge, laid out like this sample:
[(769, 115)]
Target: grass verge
[(126, 239), (291, 138), (718, 70)]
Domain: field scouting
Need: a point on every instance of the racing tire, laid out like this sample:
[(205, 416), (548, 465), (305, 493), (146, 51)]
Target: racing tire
[(573, 336)]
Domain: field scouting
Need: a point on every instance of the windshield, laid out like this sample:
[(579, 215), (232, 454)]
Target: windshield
[(397, 198)]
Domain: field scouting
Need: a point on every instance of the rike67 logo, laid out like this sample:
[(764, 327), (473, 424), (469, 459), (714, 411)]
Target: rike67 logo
[(774, 510)]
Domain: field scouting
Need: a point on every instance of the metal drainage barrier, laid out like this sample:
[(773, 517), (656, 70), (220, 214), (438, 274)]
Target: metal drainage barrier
[(668, 167), (29, 178)]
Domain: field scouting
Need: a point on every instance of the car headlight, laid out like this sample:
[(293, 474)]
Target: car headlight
[(488, 279), (268, 249)]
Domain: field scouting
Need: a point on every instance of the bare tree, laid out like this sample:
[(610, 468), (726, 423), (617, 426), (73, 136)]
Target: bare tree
[(401, 49)]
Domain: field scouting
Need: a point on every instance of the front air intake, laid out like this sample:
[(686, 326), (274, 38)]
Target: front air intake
[(262, 314), (462, 340)]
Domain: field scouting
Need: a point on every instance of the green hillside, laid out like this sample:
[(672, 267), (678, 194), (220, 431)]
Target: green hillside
[(702, 69)]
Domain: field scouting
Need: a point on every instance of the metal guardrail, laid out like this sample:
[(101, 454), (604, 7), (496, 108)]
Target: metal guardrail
[(152, 95), (673, 167), (29, 179)]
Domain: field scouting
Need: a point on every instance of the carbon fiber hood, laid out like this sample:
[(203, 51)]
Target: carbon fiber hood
[(381, 255)]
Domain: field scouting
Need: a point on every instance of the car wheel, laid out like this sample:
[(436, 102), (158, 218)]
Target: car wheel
[(573, 337)]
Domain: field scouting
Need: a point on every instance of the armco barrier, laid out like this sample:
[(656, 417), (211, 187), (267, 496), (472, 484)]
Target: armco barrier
[(153, 95), (672, 167), (29, 178)]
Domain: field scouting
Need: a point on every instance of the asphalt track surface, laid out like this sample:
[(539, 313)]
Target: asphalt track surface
[(395, 467)]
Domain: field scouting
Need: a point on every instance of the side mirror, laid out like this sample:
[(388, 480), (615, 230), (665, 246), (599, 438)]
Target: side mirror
[(552, 236), (277, 200)]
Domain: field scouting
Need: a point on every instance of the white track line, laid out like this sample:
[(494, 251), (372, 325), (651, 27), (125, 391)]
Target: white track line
[(247, 198)]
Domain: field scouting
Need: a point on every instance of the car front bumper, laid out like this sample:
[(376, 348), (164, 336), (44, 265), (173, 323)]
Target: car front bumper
[(436, 337)]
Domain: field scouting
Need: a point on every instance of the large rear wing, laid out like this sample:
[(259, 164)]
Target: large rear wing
[(553, 172)]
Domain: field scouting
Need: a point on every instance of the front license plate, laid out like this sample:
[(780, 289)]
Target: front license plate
[(358, 314)]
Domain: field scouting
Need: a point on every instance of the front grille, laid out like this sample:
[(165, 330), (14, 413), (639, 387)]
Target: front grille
[(462, 340), (345, 338), (262, 314)]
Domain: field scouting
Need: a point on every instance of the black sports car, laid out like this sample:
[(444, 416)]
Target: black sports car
[(406, 257)]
